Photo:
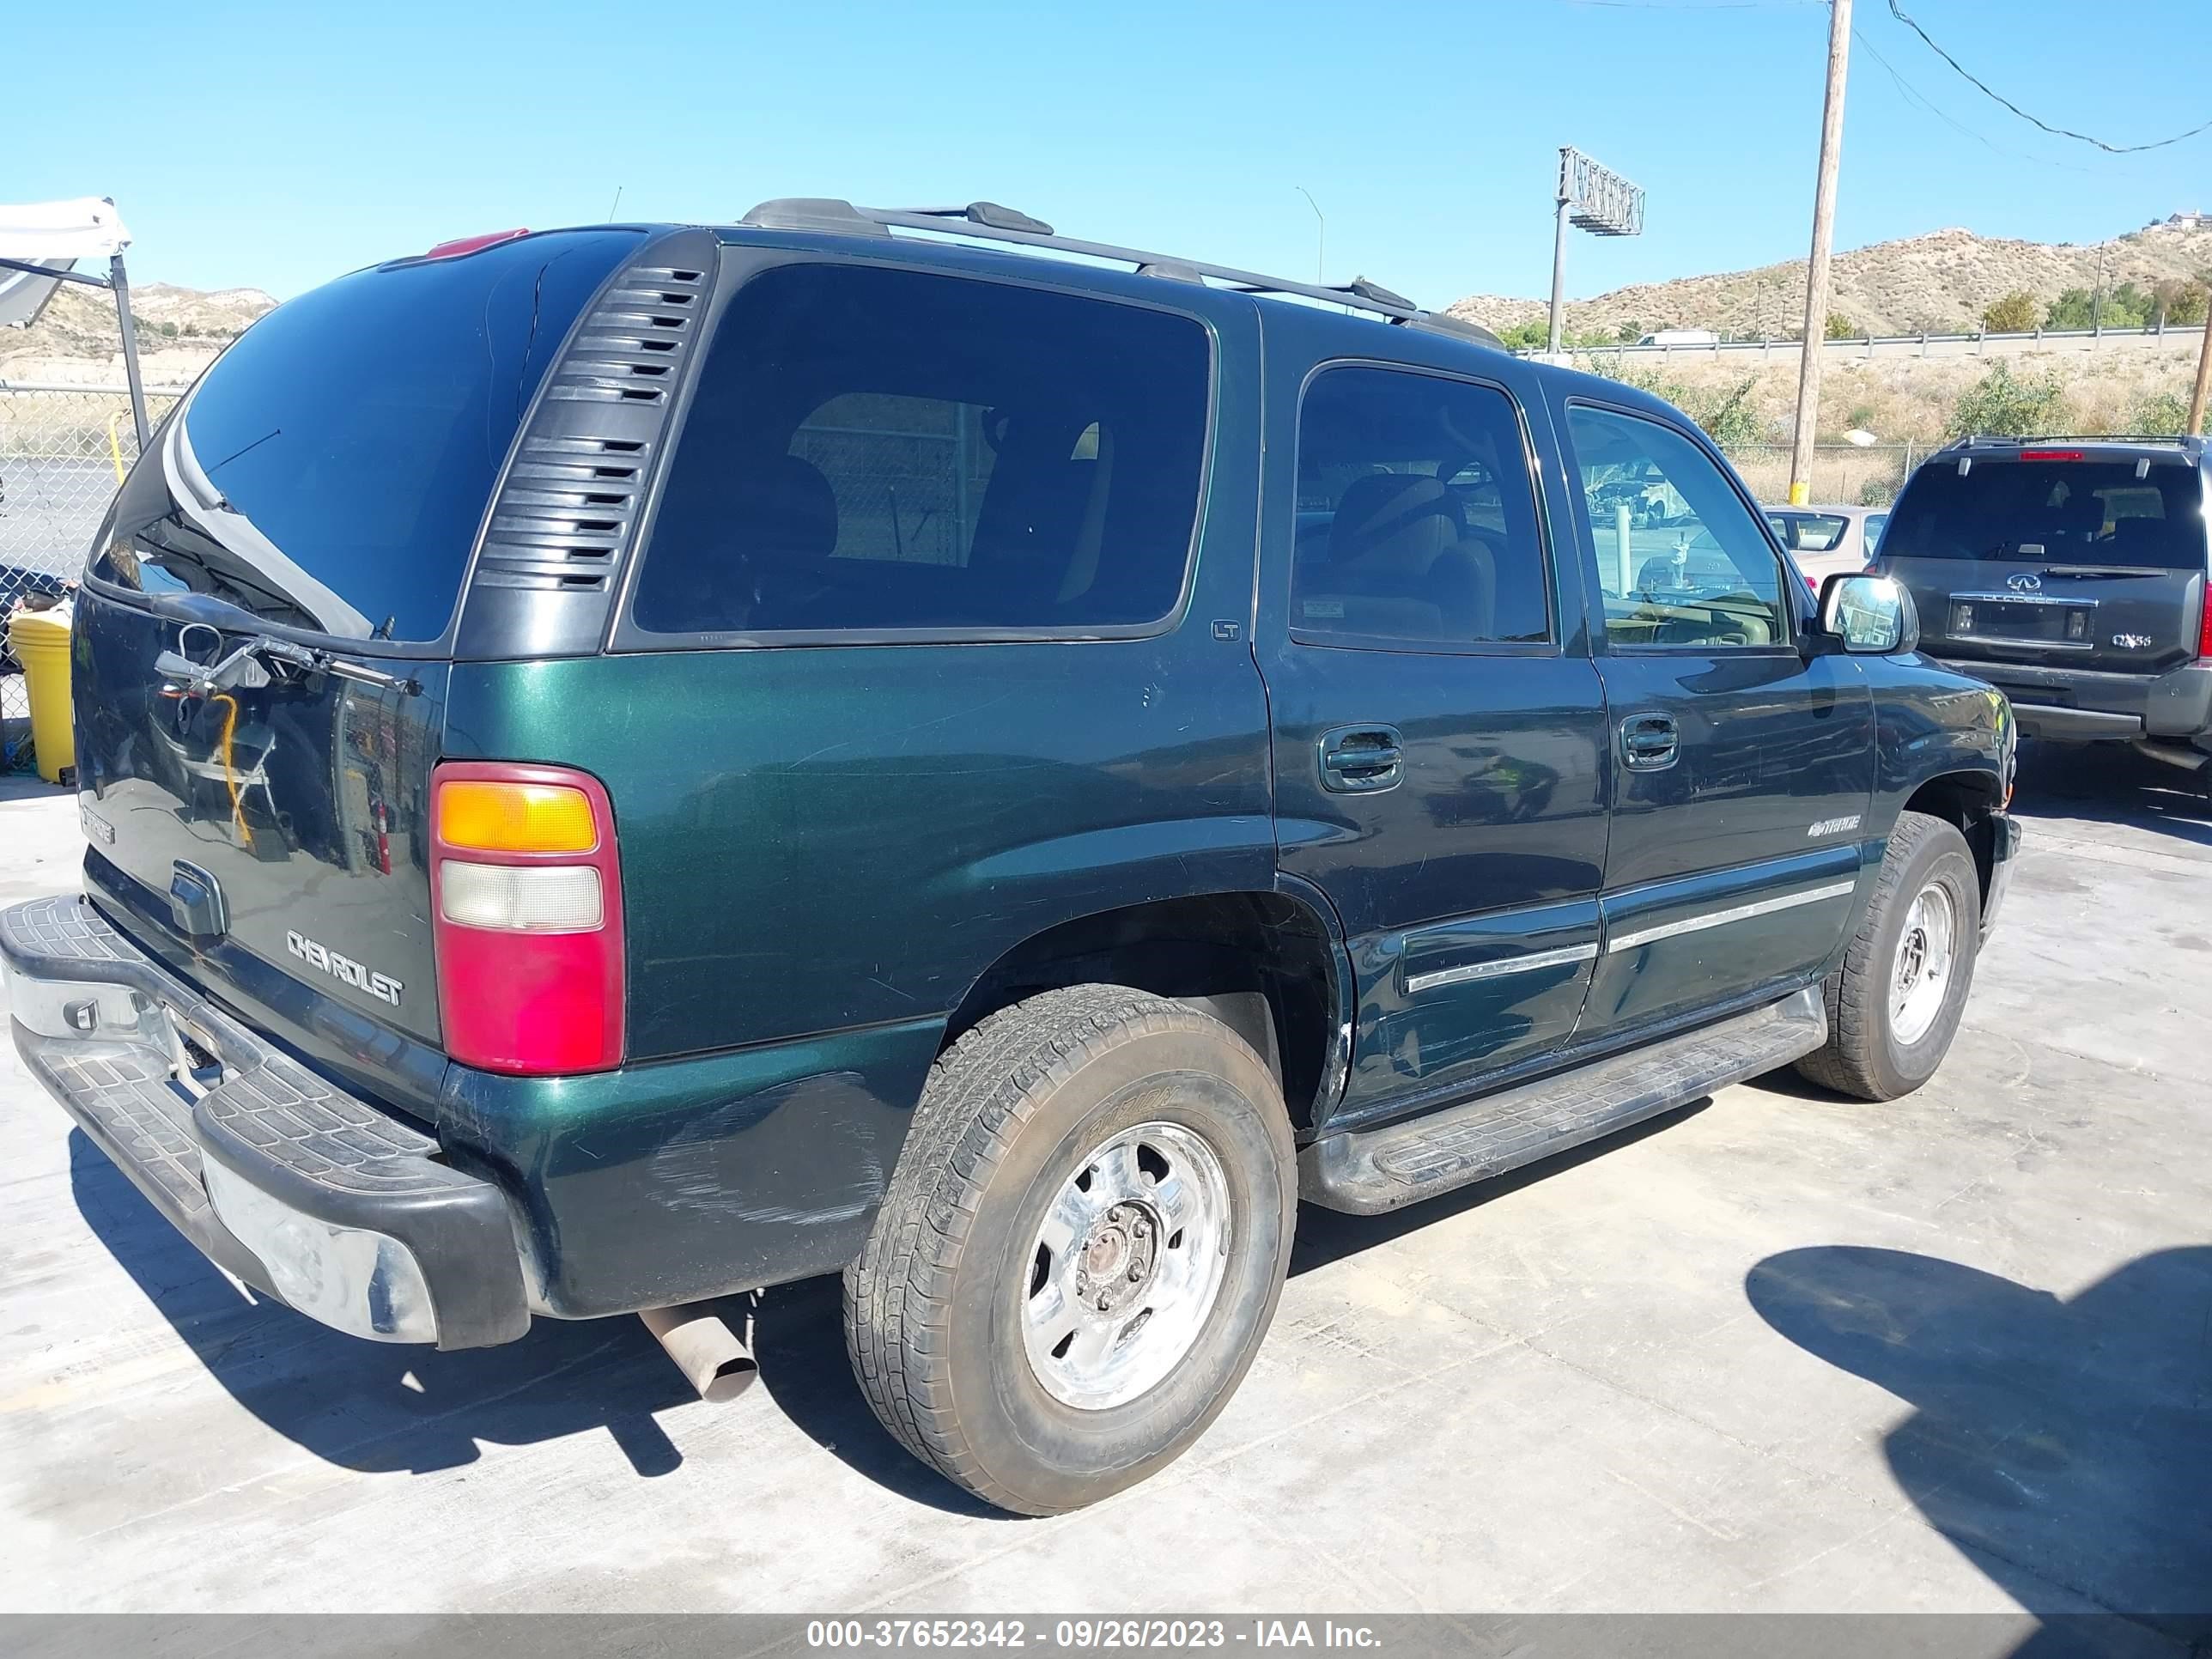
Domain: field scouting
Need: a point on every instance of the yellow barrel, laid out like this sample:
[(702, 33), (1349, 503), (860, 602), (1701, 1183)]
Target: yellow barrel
[(41, 642)]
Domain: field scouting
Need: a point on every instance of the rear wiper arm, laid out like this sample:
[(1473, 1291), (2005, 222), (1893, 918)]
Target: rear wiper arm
[(249, 666)]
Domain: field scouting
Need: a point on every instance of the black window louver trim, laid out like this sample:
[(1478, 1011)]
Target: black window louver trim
[(571, 496)]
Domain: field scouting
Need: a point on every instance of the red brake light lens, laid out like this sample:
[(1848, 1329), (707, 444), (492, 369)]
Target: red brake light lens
[(2204, 630), (2050, 454), (531, 972), (461, 244)]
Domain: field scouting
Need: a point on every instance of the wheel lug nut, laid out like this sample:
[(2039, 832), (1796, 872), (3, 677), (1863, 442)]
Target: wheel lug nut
[(1101, 1304), (1134, 1273)]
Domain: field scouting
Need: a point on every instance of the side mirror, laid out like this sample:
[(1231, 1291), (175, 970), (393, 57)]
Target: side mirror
[(1869, 615)]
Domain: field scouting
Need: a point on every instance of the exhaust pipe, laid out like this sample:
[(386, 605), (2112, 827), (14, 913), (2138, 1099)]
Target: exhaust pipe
[(2173, 753), (706, 1347)]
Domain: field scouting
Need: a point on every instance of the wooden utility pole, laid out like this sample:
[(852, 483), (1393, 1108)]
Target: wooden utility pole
[(1816, 268), (2203, 380)]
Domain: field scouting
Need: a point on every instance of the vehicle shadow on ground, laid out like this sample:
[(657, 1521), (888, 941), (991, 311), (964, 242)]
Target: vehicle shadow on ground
[(379, 1408), (2064, 1446), (2107, 783)]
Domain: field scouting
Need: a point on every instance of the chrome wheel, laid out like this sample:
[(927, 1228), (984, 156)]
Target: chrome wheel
[(1126, 1266), (1926, 949)]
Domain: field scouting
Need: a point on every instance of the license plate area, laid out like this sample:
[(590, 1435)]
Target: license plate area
[(2061, 624)]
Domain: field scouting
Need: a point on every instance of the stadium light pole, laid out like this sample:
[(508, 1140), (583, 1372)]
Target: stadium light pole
[(1816, 268)]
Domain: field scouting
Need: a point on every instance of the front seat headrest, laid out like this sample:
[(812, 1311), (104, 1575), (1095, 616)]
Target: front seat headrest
[(1393, 521)]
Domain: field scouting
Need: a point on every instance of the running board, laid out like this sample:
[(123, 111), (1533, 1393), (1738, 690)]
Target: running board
[(1367, 1172)]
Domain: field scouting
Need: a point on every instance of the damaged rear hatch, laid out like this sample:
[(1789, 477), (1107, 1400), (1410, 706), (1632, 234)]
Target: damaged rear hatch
[(261, 647)]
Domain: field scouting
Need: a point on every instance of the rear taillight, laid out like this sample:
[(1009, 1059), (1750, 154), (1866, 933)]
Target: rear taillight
[(2204, 626), (525, 900)]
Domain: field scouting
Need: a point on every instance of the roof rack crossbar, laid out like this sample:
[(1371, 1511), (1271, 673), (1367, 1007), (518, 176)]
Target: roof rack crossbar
[(989, 222)]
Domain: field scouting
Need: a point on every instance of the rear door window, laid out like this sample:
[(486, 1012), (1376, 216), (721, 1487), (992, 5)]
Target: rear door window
[(2060, 512), (1417, 525), (880, 450), (331, 471)]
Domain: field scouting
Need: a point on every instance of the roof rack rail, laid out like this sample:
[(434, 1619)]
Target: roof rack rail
[(2184, 439), (990, 222)]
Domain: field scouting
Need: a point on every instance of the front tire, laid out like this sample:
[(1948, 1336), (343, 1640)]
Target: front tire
[(1081, 1248), (1894, 1005)]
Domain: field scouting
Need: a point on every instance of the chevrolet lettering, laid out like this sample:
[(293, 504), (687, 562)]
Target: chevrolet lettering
[(382, 987)]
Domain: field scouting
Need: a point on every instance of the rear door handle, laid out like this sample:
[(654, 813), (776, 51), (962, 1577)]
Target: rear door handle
[(1649, 743), (1359, 760)]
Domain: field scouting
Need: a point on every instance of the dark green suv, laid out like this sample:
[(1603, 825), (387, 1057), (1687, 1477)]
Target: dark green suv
[(626, 765)]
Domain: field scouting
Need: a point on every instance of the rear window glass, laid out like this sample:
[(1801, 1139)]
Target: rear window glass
[(878, 449), (1819, 533), (331, 471), (2062, 512)]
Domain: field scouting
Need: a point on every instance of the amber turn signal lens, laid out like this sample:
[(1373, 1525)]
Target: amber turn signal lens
[(515, 818)]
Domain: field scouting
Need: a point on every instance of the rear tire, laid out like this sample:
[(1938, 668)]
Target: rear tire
[(1894, 1005), (1081, 1248)]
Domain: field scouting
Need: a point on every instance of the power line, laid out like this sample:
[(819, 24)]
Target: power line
[(1920, 100), (1898, 13)]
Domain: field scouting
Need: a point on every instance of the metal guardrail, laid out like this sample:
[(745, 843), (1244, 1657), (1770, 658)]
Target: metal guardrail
[(1922, 345)]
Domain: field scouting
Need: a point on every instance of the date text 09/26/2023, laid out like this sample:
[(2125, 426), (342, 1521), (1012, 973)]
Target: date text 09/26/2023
[(1085, 1635)]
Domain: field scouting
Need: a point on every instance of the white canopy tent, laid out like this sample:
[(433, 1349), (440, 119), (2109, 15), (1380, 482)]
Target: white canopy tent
[(41, 243)]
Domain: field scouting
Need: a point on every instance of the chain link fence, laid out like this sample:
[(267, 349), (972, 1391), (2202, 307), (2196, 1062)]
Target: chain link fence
[(63, 450), (1842, 475)]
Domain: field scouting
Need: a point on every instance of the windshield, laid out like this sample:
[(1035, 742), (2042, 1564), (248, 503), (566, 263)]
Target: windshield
[(331, 471), (2090, 512)]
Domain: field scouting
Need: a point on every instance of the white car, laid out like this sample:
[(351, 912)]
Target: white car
[(1825, 540)]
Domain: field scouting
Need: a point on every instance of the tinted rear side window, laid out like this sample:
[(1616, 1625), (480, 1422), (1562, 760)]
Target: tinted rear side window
[(331, 471), (877, 449), (1416, 523), (2062, 512)]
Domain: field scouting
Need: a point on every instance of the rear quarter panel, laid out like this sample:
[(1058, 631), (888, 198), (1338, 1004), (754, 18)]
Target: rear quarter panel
[(823, 849)]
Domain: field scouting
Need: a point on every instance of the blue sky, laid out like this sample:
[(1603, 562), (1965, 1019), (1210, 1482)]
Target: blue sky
[(284, 145)]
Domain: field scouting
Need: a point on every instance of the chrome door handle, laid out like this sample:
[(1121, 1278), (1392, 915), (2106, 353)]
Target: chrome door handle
[(1359, 760), (1649, 743)]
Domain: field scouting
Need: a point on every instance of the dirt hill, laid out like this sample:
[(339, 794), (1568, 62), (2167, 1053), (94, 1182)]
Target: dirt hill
[(179, 330), (1940, 283)]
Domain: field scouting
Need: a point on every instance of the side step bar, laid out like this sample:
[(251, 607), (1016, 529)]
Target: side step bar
[(1367, 1172)]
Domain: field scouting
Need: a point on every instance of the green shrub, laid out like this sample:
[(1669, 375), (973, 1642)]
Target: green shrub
[(1841, 327), (2012, 313), (1727, 417), (2161, 412), (2002, 404), (2124, 306), (2183, 301)]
